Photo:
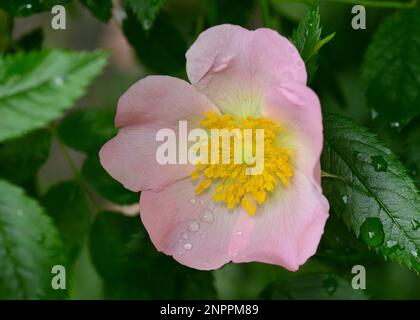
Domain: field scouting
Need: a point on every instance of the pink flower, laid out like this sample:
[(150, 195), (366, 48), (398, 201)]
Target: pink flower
[(206, 215)]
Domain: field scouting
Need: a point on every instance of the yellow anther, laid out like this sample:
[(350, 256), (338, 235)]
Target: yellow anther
[(233, 185)]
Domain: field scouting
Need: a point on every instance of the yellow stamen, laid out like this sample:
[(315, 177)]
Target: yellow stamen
[(233, 185)]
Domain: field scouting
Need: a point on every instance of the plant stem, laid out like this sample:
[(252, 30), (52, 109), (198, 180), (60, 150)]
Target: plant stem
[(76, 174)]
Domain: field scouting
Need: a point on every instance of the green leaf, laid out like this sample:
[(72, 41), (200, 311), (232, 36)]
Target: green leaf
[(316, 286), (391, 68), (67, 204), (101, 181), (36, 88), (101, 9), (123, 255), (94, 128), (307, 39), (29, 247), (21, 158), (29, 7), (340, 248), (145, 10), (372, 191), (161, 49)]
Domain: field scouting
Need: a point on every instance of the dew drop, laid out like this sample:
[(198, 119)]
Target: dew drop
[(372, 232), (414, 253), (344, 198), (193, 201), (19, 212), (58, 81), (391, 243), (374, 114), (330, 285), (379, 164), (415, 224), (188, 246), (147, 24), (184, 235), (239, 233), (208, 216), (394, 124), (193, 226)]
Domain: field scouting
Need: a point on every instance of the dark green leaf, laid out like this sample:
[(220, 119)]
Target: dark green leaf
[(340, 248), (29, 7), (87, 130), (29, 247), (307, 39), (21, 158), (161, 49), (106, 186), (145, 10), (227, 11), (124, 257), (372, 191), (391, 69), (67, 204), (102, 9), (36, 88), (316, 286)]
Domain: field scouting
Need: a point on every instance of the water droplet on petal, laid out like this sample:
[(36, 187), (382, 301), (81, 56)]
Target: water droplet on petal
[(193, 226), (379, 163), (208, 216), (372, 232), (415, 224), (188, 246), (193, 201), (184, 235), (239, 233)]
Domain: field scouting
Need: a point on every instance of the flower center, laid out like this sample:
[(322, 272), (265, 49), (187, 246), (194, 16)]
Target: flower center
[(249, 169)]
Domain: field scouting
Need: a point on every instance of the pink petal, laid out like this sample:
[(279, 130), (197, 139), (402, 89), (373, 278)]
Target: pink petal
[(297, 107), (194, 230), (234, 66), (287, 231), (154, 103)]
